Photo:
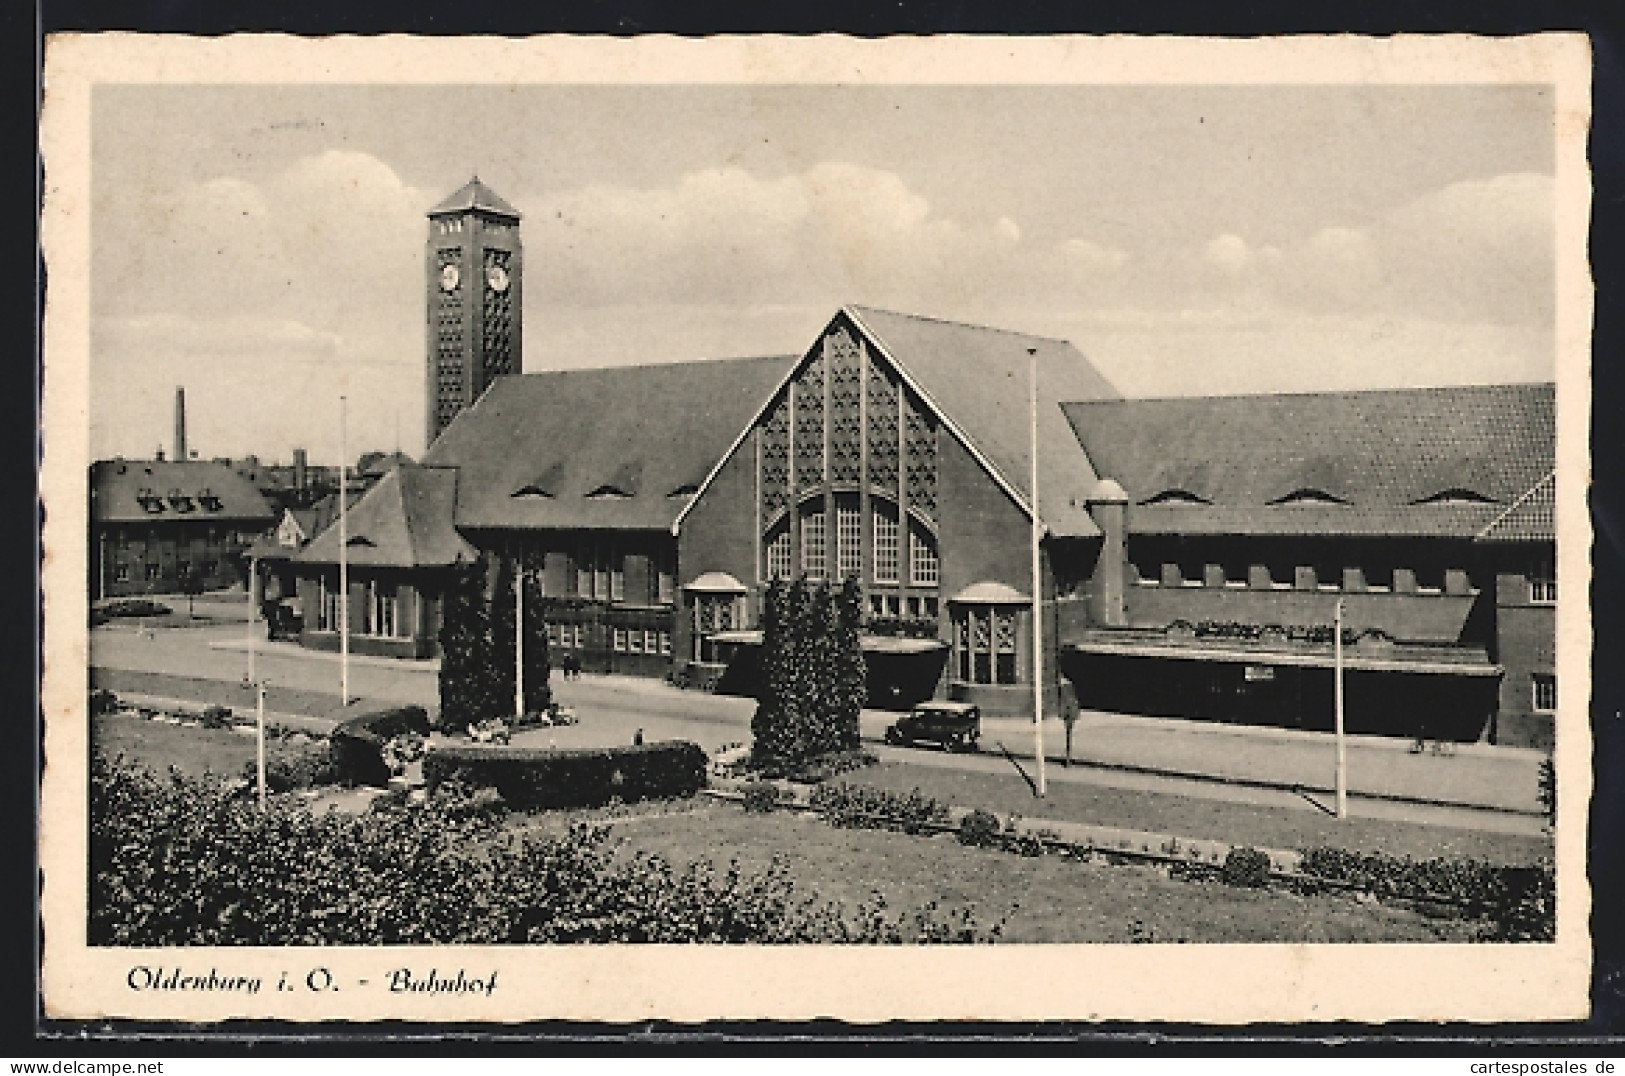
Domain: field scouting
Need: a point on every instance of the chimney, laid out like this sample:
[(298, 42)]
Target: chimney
[(299, 463), (1108, 506), (180, 423)]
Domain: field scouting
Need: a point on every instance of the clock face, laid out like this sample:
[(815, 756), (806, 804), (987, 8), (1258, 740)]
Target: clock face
[(497, 277), (449, 277)]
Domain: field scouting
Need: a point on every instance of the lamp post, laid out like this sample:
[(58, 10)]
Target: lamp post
[(259, 741), (1337, 711), (344, 562), (519, 633), (1038, 579)]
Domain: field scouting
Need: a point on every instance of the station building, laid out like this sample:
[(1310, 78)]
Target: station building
[(1194, 551)]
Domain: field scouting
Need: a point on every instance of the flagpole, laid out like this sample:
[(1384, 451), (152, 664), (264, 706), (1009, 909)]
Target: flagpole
[(518, 634), (259, 741), (344, 559), (1038, 590), (1337, 712), (253, 580)]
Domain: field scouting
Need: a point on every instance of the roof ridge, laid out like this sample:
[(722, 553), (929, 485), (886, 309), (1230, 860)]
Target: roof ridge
[(960, 324), (1206, 397), (1549, 476), (552, 372)]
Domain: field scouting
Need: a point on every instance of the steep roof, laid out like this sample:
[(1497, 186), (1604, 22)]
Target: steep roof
[(618, 447), (1530, 518), (373, 464), (977, 378), (144, 491), (474, 195), (1436, 461), (405, 521)]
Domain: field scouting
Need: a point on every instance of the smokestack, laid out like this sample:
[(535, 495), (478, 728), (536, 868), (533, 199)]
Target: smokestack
[(180, 423), (299, 476)]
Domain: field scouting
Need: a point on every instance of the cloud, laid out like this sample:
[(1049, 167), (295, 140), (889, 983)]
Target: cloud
[(1478, 250), (837, 231)]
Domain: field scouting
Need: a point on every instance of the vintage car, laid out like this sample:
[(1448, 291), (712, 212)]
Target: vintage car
[(953, 726)]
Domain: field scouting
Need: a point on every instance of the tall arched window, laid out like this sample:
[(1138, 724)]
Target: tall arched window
[(814, 542), (777, 561)]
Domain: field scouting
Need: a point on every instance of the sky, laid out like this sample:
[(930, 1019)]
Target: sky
[(264, 245)]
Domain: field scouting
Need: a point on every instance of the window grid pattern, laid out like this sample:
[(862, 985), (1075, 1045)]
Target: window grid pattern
[(886, 549), (814, 540), (809, 419), (883, 445), (985, 645), (776, 459), (778, 556), (450, 385), (845, 402), (922, 558), (496, 325), (920, 465), (848, 541)]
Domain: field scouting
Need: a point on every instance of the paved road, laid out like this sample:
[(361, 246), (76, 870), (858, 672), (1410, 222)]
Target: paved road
[(1191, 759)]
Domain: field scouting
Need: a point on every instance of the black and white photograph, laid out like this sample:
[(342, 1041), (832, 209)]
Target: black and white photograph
[(948, 529)]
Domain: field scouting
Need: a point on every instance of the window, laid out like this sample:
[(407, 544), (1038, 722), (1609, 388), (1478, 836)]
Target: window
[(778, 556), (848, 541), (665, 643), (664, 578), (1542, 584), (634, 642), (922, 558), (553, 635), (985, 645), (154, 571), (598, 572), (1545, 692), (620, 640), (712, 613), (651, 642), (327, 605), (380, 609), (885, 540), (121, 573), (813, 553)]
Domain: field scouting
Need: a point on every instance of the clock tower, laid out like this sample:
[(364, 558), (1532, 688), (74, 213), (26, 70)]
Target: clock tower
[(475, 265)]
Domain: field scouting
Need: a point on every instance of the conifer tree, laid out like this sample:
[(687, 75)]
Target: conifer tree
[(538, 666), (464, 647)]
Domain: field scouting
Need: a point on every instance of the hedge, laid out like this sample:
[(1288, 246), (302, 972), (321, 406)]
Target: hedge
[(358, 742), (549, 777)]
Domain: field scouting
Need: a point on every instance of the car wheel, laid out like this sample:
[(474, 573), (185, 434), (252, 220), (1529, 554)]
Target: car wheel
[(893, 738)]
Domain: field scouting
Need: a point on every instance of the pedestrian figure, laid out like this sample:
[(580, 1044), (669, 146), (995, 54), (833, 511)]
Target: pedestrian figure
[(637, 738), (572, 667)]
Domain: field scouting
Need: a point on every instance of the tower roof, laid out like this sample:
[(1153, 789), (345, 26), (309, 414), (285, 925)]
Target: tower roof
[(475, 195)]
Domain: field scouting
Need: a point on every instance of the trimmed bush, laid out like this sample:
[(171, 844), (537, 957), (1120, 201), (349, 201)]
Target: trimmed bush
[(813, 679), (358, 743), (1518, 902), (532, 777), (761, 797), (1247, 868), (215, 717), (979, 829), (291, 767), (858, 807)]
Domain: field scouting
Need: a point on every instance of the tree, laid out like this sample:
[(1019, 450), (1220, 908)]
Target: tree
[(538, 667), (465, 648), (812, 674)]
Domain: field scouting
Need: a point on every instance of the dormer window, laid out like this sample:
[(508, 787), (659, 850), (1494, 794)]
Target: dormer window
[(531, 490), (1456, 496), (687, 489), (209, 501), (1176, 496), (361, 540), (1307, 496), (608, 493), (180, 501)]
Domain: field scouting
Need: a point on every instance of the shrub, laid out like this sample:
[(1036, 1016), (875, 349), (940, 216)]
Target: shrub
[(291, 767), (979, 829), (859, 807), (182, 862), (103, 701), (400, 751), (1518, 903), (215, 717), (358, 743), (1548, 789), (530, 777), (761, 797), (1246, 867)]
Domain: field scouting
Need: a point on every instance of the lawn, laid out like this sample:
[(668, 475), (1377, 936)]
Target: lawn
[(156, 745), (1047, 899), (1183, 816)]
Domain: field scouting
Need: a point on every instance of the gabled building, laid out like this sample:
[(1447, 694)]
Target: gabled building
[(1193, 558), (157, 523), (1236, 525)]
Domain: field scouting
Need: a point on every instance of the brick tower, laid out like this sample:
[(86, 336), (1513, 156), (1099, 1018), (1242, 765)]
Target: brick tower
[(475, 266)]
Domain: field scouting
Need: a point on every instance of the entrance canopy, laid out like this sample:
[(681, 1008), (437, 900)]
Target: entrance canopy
[(1470, 662), (715, 583)]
